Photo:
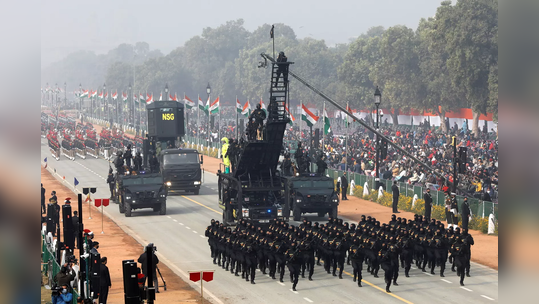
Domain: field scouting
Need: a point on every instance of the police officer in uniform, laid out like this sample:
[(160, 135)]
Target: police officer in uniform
[(465, 213), (428, 204), (293, 259), (128, 155), (258, 115), (111, 182), (137, 162)]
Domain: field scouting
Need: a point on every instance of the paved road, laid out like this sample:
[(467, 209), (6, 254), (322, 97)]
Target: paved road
[(180, 241)]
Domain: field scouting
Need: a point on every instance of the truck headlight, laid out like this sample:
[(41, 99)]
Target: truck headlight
[(128, 197), (335, 200), (279, 212), (162, 195), (197, 183), (169, 184), (298, 200), (245, 212)]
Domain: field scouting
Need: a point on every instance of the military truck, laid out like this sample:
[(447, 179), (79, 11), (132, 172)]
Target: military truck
[(312, 193), (146, 190), (181, 169)]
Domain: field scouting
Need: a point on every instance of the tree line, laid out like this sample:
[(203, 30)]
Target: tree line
[(450, 61)]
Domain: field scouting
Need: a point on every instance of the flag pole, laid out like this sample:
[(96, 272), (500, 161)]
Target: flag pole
[(237, 116), (346, 141), (219, 128), (198, 121), (323, 125)]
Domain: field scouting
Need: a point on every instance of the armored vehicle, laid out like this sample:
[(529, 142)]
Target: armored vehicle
[(141, 191), (312, 193)]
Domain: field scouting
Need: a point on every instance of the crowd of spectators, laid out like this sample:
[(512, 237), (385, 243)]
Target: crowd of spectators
[(427, 143)]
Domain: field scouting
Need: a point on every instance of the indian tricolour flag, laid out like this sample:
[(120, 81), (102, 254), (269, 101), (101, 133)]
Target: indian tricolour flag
[(141, 97), (307, 116), (214, 107), (94, 93), (327, 126), (175, 98), (246, 109), (149, 99), (124, 96), (188, 102), (115, 95), (202, 107), (100, 96), (239, 108), (292, 118), (84, 94), (263, 106)]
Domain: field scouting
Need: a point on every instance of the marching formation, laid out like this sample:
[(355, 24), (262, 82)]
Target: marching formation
[(390, 246)]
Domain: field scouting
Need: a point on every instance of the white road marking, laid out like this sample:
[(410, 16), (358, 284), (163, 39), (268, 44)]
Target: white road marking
[(168, 216), (202, 236), (308, 300), (293, 291), (187, 227), (181, 224), (446, 281), (194, 231), (488, 298), (467, 289), (428, 274), (175, 220), (282, 284)]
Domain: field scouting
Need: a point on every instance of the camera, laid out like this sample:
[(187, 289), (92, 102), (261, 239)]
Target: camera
[(56, 290)]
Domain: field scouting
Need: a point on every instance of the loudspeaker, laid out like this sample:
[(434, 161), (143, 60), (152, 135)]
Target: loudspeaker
[(316, 138), (69, 233), (462, 159), (95, 273), (131, 289)]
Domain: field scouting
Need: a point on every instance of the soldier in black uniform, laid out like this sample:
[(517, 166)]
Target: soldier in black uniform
[(250, 252), (307, 250), (321, 165), (298, 156), (293, 258), (468, 242), (128, 155), (458, 254), (428, 204), (465, 213), (231, 153), (137, 162), (258, 115), (287, 165), (283, 68), (390, 264), (111, 182), (251, 129), (154, 163), (357, 255), (119, 163)]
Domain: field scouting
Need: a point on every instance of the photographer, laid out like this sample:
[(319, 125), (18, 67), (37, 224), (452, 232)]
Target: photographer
[(62, 295), (65, 276), (143, 260)]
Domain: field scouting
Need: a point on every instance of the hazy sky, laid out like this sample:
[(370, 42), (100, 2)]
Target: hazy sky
[(99, 25)]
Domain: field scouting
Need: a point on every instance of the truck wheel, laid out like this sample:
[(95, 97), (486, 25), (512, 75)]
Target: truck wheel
[(163, 209), (297, 214), (128, 210), (334, 212), (122, 208), (196, 191), (156, 208), (321, 214)]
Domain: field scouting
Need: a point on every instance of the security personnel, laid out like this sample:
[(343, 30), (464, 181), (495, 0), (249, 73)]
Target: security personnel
[(321, 165), (357, 255), (224, 154), (251, 129), (111, 182), (287, 165), (458, 254), (154, 164), (258, 115), (454, 209), (468, 242), (395, 190), (43, 207), (119, 163), (465, 213), (231, 153), (298, 156), (307, 250), (293, 259), (428, 204), (128, 155), (283, 68), (137, 162), (344, 186)]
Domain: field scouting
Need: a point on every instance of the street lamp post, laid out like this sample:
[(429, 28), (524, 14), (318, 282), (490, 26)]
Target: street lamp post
[(166, 92), (377, 101), (105, 104), (208, 90), (133, 102)]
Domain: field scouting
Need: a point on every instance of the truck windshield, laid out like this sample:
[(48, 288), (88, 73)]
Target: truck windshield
[(143, 181), (180, 159), (328, 184)]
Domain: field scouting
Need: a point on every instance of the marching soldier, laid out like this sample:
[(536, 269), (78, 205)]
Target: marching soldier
[(293, 258), (357, 257), (459, 256)]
